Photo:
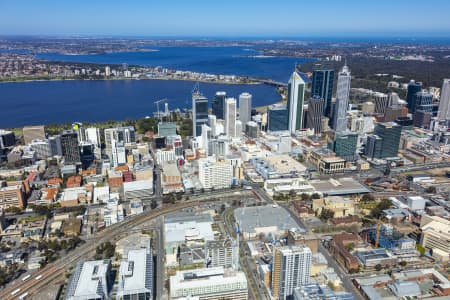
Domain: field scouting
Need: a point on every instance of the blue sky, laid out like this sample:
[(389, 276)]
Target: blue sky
[(288, 18)]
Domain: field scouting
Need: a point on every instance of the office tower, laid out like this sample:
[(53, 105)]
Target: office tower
[(93, 136), (422, 101), (199, 113), (291, 268), (55, 145), (80, 130), (344, 145), (322, 87), (219, 104), (7, 139), (136, 275), (212, 122), (209, 283), (42, 148), (239, 128), (118, 153), (90, 280), (444, 104), (295, 99), (205, 137), (390, 133), (221, 253), (277, 118), (381, 103), (119, 134), (315, 114), (373, 146), (252, 129), (31, 133), (230, 117), (413, 88), (342, 98), (69, 145), (422, 118), (245, 107), (87, 154)]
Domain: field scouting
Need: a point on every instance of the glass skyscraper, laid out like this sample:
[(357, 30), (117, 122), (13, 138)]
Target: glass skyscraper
[(277, 118), (218, 104), (389, 133), (295, 99), (413, 88), (199, 113), (322, 87)]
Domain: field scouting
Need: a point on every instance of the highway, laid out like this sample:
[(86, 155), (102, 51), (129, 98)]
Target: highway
[(57, 270)]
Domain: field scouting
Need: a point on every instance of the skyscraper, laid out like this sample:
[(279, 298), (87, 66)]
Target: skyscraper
[(381, 103), (444, 104), (422, 101), (69, 145), (277, 118), (199, 112), (296, 95), (245, 107), (344, 145), (390, 133), (315, 110), (291, 269), (342, 97), (322, 86), (413, 88), (230, 117), (373, 146), (219, 104)]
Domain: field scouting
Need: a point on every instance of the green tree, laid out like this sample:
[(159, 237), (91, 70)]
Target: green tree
[(368, 198), (421, 249), (326, 214), (378, 267)]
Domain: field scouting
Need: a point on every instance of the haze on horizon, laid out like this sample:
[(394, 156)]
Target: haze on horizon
[(287, 18)]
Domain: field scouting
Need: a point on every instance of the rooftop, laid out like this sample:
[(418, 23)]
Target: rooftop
[(341, 186)]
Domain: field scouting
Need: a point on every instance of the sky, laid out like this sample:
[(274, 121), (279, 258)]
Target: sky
[(226, 18)]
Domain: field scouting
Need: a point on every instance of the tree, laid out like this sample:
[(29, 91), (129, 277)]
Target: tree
[(304, 196), (368, 198), (378, 267), (431, 190), (153, 204), (403, 263), (326, 214), (13, 210), (421, 249), (315, 196)]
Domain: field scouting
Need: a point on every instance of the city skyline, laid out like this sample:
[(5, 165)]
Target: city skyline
[(141, 18)]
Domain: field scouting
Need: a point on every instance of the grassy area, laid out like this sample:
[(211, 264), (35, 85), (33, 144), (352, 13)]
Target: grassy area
[(32, 219)]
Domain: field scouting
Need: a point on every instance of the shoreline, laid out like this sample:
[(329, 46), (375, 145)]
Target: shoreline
[(253, 82)]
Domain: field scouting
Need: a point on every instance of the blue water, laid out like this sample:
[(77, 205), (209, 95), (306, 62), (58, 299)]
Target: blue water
[(214, 60), (47, 102)]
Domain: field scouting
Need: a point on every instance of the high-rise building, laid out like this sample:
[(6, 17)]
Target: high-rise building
[(413, 88), (80, 130), (221, 253), (199, 113), (116, 135), (422, 118), (212, 122), (230, 117), (315, 114), (245, 107), (136, 275), (214, 174), (291, 268), (277, 117), (55, 145), (344, 145), (252, 129), (373, 146), (42, 148), (93, 136), (69, 145), (422, 101), (7, 139), (107, 71), (342, 98), (118, 153), (389, 133), (87, 154), (381, 103), (31, 133), (295, 99), (322, 87), (444, 104), (218, 105)]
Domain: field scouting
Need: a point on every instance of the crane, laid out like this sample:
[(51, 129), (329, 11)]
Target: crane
[(158, 113)]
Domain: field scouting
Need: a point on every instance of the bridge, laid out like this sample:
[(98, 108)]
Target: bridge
[(273, 82)]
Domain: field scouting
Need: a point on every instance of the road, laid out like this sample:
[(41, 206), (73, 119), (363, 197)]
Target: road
[(346, 281), (57, 270)]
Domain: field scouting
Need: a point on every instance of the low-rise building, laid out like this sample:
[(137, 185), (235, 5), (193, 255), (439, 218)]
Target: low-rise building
[(90, 280), (209, 283), (136, 276), (341, 206)]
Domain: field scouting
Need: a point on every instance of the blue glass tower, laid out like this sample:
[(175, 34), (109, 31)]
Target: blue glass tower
[(322, 87)]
